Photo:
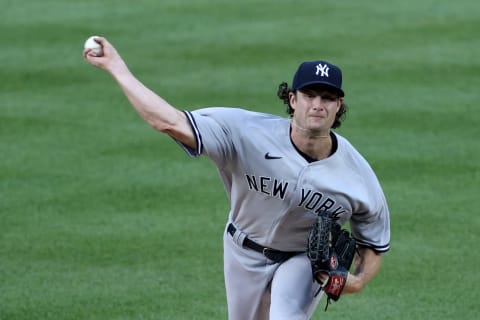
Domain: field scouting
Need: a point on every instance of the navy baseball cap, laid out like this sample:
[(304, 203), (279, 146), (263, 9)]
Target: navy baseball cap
[(318, 72)]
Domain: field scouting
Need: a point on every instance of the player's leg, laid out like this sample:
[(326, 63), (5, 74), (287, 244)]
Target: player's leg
[(293, 290), (247, 278)]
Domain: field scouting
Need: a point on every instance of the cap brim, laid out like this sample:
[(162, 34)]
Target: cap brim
[(327, 84)]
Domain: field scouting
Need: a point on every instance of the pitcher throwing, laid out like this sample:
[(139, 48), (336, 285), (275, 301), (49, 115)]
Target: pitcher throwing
[(279, 174)]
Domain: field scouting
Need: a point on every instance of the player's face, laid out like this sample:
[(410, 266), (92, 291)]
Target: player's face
[(315, 108)]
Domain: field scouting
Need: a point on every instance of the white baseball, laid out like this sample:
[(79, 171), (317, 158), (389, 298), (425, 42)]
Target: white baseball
[(95, 46)]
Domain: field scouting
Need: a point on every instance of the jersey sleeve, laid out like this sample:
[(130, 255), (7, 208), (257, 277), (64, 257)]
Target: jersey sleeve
[(215, 130), (370, 217), (371, 228)]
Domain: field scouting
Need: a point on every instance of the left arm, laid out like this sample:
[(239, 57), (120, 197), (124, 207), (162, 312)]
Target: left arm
[(367, 263)]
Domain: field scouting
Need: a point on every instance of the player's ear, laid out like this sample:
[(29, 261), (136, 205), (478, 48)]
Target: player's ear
[(339, 103), (292, 98)]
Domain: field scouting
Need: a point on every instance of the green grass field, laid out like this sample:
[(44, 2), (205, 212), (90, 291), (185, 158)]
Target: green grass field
[(103, 218)]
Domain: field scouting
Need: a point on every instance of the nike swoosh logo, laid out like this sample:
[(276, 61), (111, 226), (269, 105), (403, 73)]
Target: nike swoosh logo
[(269, 157)]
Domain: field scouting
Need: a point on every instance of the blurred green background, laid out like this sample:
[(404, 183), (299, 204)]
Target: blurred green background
[(103, 218)]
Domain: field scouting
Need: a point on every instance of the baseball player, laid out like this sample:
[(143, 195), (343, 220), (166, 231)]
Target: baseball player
[(278, 173)]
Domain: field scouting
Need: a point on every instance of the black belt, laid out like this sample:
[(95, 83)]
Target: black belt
[(272, 254)]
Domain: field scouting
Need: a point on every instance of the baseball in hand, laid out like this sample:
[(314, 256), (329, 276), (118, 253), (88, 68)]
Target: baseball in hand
[(95, 46)]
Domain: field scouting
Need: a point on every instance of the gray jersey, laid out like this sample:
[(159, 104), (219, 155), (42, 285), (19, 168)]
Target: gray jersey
[(275, 192)]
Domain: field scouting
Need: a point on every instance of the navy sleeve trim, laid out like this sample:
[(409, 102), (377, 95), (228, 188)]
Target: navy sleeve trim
[(196, 132), (376, 248)]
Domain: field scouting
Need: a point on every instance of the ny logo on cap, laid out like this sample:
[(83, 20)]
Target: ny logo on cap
[(323, 69)]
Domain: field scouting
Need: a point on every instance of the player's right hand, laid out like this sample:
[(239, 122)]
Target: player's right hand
[(109, 61)]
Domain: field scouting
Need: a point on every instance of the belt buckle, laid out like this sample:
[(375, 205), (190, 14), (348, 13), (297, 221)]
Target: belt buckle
[(272, 254), (265, 251)]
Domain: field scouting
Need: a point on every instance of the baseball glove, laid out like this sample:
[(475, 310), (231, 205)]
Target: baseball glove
[(331, 250)]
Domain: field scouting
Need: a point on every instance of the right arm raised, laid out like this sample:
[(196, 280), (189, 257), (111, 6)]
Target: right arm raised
[(152, 108)]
